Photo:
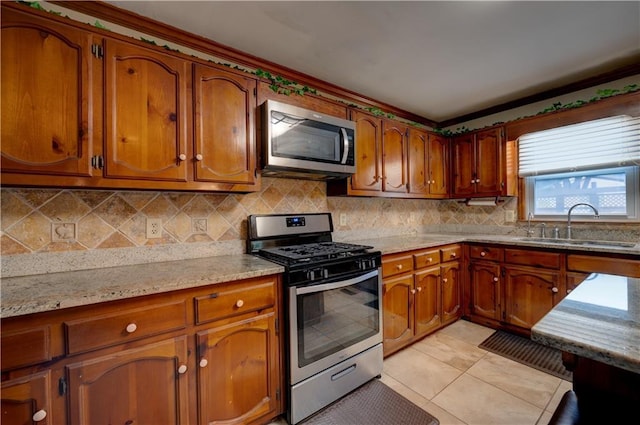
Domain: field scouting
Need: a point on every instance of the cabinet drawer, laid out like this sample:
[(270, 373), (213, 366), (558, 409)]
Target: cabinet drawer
[(396, 265), (234, 299), (482, 252), (592, 263), (109, 329), (451, 253), (426, 258), (27, 347), (548, 260)]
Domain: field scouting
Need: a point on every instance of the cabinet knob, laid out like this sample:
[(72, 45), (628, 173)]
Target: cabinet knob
[(182, 157), (483, 254), (453, 255), (419, 288), (429, 260), (131, 328), (203, 362), (182, 369), (413, 291), (495, 279), (473, 181), (199, 157), (399, 267), (445, 280), (568, 290), (239, 303), (477, 180), (554, 289), (39, 415)]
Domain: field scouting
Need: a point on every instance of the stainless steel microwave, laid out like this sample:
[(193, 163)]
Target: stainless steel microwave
[(301, 143)]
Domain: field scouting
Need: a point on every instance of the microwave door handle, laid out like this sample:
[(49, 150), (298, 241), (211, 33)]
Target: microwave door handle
[(335, 285), (345, 144)]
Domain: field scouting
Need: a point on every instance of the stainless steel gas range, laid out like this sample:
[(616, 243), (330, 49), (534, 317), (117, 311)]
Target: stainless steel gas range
[(333, 307)]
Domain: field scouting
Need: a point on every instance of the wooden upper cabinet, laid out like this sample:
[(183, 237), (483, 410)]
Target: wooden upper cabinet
[(46, 97), (477, 163), (368, 175), (427, 164), (224, 126), (438, 166), (145, 113), (394, 157)]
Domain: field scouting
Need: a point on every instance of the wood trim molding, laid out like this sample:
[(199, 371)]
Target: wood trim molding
[(125, 18)]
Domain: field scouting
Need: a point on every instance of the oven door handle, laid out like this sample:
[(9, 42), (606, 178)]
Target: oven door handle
[(335, 285)]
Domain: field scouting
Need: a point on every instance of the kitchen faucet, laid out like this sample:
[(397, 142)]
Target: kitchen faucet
[(597, 215)]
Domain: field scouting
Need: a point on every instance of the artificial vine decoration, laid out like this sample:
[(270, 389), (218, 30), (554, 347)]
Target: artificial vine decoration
[(283, 86), (379, 112)]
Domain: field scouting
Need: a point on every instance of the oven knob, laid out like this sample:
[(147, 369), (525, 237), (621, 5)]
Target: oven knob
[(325, 273), (311, 274)]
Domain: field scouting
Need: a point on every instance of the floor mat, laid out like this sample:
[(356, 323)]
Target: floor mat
[(372, 404), (525, 351)]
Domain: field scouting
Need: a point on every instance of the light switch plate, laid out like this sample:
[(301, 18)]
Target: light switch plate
[(154, 228), (343, 219), (510, 216)]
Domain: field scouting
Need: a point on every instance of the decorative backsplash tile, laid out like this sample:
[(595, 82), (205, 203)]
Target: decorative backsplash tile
[(57, 220)]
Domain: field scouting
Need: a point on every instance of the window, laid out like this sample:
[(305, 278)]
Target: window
[(596, 162)]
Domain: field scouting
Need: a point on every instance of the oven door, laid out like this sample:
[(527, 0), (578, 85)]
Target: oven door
[(330, 322)]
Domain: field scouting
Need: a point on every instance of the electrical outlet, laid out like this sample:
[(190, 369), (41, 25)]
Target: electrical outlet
[(343, 219), (154, 228), (509, 216)]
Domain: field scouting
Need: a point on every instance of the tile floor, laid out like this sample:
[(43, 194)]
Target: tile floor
[(450, 377)]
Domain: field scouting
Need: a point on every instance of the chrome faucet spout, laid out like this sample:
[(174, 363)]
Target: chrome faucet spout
[(596, 215)]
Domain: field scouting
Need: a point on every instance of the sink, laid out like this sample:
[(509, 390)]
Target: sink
[(581, 242)]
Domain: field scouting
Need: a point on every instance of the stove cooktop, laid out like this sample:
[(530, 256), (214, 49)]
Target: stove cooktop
[(314, 251)]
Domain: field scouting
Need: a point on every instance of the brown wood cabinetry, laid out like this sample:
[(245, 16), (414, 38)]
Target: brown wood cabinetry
[(367, 179), (513, 288), (421, 293), (202, 355), (94, 109), (428, 167), (477, 163), (598, 263)]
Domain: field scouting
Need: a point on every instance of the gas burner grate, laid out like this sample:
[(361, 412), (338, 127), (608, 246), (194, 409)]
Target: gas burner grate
[(313, 250)]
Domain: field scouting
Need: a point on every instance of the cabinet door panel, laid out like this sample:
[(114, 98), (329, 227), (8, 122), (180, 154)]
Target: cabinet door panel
[(529, 294), (23, 397), (224, 126), (463, 165), (46, 91), (418, 161), (146, 113), (398, 311), (427, 300), (438, 166), (485, 290), (394, 158), (238, 380), (451, 296), (368, 175), (488, 160), (136, 386)]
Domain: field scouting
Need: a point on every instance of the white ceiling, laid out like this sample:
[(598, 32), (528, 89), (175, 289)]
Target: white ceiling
[(439, 60)]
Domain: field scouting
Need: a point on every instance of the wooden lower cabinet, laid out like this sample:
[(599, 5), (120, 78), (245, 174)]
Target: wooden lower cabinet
[(421, 294), (486, 289), (530, 293), (27, 400), (237, 371), (207, 355), (145, 385)]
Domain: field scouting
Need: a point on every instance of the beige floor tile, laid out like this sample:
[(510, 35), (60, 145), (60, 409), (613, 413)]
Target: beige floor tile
[(442, 415), (469, 332), (478, 403), (404, 391), (524, 382), (420, 372), (453, 351), (545, 418)]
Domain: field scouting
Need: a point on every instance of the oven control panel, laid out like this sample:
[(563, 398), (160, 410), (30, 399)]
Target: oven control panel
[(295, 222)]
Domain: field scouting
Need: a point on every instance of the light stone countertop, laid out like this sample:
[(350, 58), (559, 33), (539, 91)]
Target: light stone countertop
[(52, 291), (599, 320), (39, 292)]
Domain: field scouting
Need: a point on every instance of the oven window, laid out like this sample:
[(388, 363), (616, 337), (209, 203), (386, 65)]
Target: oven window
[(331, 320)]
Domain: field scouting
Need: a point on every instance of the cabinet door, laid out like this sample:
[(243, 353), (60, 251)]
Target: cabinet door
[(27, 400), (46, 94), (451, 296), (438, 166), (463, 165), (530, 293), (145, 114), (397, 313), (146, 385), (224, 126), (489, 162), (238, 371), (368, 175), (394, 161), (418, 162), (485, 290), (427, 300)]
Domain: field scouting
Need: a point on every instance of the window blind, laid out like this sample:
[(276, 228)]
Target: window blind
[(603, 143)]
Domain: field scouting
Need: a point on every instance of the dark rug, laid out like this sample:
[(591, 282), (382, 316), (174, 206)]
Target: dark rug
[(372, 404), (528, 352)]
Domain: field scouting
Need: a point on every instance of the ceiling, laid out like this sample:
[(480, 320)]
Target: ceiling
[(439, 60)]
